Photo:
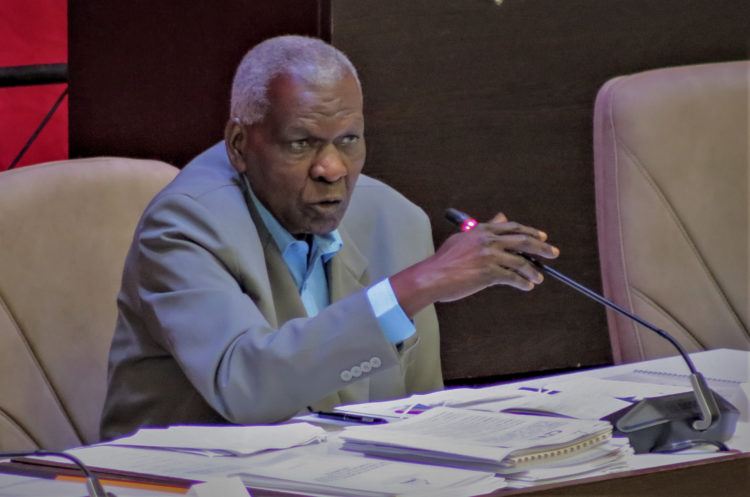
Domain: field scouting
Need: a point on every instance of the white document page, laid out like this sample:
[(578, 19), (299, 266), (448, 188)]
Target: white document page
[(583, 398), (601, 387), (416, 404), (574, 404), (227, 440)]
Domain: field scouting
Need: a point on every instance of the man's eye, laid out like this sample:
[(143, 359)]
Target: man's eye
[(349, 139), (299, 145)]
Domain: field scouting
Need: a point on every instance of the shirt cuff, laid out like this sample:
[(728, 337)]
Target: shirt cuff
[(394, 322)]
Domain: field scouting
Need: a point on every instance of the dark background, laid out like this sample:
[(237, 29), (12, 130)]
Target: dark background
[(469, 104), (152, 78)]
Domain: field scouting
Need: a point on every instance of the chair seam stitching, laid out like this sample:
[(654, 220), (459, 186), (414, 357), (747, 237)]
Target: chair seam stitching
[(4, 414), (42, 371), (681, 228), (638, 293), (621, 241)]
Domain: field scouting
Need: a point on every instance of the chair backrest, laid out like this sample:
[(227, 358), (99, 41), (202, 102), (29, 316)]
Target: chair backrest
[(65, 228), (671, 170)]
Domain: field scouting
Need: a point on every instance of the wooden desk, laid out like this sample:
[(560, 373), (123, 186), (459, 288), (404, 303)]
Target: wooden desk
[(727, 476), (724, 476)]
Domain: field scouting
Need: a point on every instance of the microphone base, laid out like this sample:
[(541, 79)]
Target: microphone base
[(665, 424)]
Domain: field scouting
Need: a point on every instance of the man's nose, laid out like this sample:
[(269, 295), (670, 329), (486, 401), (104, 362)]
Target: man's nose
[(329, 165)]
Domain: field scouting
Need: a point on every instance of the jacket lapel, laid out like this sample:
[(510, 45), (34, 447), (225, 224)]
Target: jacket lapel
[(346, 275), (346, 271)]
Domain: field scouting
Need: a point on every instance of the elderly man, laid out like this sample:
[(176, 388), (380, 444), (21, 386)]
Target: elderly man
[(272, 278)]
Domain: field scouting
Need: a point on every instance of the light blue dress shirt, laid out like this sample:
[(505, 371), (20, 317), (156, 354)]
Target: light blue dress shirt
[(308, 271)]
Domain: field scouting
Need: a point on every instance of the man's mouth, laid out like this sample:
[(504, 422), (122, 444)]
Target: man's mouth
[(327, 205)]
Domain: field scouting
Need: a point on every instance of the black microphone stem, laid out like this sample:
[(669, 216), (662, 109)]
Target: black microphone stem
[(704, 397), (590, 293)]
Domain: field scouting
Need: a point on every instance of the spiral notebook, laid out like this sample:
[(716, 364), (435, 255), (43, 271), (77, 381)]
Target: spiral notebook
[(488, 441)]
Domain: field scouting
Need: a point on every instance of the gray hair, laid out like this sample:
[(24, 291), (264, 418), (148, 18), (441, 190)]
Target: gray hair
[(311, 59)]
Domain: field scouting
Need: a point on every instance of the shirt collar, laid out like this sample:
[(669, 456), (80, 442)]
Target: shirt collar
[(327, 245)]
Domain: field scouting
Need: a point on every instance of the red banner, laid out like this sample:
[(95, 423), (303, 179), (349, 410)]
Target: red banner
[(33, 32)]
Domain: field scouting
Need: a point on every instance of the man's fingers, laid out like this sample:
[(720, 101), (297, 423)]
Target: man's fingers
[(527, 244), (499, 218), (516, 279), (512, 227), (521, 268)]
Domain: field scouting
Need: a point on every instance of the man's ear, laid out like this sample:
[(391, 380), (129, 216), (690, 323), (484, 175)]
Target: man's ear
[(235, 138)]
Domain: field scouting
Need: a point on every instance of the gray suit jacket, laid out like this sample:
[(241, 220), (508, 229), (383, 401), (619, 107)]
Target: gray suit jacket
[(211, 328)]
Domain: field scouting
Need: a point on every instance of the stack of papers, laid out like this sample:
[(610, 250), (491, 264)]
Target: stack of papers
[(347, 476), (607, 458), (498, 442), (318, 469)]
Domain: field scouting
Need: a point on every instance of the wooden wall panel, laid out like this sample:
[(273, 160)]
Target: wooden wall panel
[(488, 108), (152, 78)]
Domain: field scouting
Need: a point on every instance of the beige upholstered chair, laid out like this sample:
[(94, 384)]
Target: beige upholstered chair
[(64, 230), (671, 165)]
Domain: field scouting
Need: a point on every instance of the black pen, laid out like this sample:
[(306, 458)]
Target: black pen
[(351, 418)]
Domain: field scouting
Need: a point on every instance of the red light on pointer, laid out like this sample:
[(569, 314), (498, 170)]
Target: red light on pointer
[(461, 219), (469, 224)]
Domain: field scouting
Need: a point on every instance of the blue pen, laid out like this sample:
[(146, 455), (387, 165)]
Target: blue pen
[(351, 418)]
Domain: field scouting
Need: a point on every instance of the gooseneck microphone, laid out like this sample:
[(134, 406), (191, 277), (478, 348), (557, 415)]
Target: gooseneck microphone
[(658, 424), (93, 485)]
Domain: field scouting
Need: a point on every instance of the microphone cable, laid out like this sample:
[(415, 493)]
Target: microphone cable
[(93, 485)]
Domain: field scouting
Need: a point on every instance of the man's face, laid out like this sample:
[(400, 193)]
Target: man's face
[(304, 157)]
